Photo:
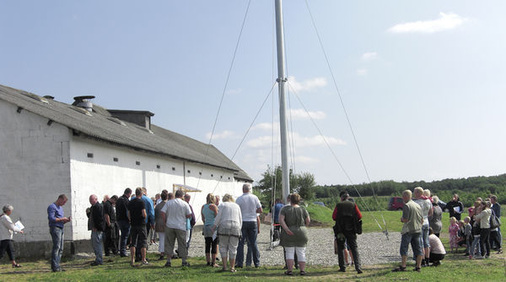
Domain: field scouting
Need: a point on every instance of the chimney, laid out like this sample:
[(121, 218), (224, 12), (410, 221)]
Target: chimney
[(84, 102)]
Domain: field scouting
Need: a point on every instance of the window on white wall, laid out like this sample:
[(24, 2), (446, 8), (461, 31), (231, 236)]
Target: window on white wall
[(138, 163), (115, 160), (158, 166), (90, 155)]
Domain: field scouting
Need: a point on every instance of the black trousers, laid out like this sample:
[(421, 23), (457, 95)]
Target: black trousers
[(111, 239), (351, 239), (485, 241), (7, 246)]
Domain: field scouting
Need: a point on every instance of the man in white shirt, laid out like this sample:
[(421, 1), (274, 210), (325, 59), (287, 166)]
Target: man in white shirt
[(250, 206), (175, 212)]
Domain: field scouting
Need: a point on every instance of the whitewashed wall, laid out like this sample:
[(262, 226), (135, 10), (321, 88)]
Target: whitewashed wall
[(34, 169), (102, 175), (41, 161)]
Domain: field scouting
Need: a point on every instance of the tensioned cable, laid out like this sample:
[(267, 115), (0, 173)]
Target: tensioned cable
[(247, 132), (225, 87), (343, 106), (334, 154)]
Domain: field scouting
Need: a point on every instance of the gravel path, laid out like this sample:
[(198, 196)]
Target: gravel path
[(374, 248)]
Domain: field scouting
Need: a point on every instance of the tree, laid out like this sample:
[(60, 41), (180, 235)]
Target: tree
[(272, 182), (305, 185)]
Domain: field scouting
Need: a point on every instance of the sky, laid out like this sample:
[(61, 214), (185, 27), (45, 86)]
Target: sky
[(377, 90)]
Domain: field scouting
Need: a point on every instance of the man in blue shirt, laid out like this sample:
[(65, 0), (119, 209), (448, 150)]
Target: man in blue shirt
[(56, 222)]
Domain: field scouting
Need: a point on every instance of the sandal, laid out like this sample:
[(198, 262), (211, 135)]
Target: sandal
[(16, 265), (302, 272), (233, 270), (288, 272)]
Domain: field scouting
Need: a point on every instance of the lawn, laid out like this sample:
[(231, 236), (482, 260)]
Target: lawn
[(454, 267)]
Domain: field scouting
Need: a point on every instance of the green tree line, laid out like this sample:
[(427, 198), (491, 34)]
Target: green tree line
[(468, 189)]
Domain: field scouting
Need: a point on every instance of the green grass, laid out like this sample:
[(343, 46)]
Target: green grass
[(453, 268)]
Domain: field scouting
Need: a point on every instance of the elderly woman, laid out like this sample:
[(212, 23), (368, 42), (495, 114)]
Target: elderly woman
[(435, 219), (484, 219), (6, 230), (294, 219), (229, 224)]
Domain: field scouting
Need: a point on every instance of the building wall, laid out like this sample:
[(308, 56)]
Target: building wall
[(34, 169), (105, 169)]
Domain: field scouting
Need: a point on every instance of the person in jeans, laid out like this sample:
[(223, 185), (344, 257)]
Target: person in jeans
[(250, 206), (123, 222), (56, 220), (427, 211), (97, 229), (411, 232)]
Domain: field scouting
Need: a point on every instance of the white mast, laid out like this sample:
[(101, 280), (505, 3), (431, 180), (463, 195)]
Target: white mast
[(282, 108)]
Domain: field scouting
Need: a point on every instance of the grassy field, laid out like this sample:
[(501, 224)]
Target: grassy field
[(455, 267)]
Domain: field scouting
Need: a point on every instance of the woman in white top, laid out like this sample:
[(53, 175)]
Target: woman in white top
[(6, 230), (484, 219), (229, 223), (437, 249)]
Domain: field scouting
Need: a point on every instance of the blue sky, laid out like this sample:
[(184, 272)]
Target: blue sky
[(423, 83)]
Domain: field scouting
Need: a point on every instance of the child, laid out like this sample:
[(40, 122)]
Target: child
[(467, 234), (453, 229)]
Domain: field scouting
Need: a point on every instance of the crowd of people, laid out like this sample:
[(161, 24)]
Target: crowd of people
[(133, 221), (422, 226)]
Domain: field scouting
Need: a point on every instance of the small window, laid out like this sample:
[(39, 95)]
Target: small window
[(158, 166), (221, 177), (90, 155), (138, 163), (229, 178), (188, 171), (200, 172), (212, 175), (173, 169), (115, 160)]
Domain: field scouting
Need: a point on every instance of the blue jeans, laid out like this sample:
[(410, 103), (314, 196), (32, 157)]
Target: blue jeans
[(416, 244), (96, 242), (124, 226), (56, 253), (249, 233)]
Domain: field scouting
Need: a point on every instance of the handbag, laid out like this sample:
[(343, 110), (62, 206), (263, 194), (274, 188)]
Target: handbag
[(494, 221)]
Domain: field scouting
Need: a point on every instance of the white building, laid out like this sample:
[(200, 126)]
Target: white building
[(50, 148)]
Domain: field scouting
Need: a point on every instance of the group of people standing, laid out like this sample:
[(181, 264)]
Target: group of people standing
[(422, 227)]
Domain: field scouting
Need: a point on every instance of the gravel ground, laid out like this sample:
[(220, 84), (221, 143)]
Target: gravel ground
[(374, 248)]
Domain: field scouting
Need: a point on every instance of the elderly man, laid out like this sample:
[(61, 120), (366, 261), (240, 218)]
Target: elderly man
[(250, 206), (175, 212), (427, 211), (97, 231), (56, 220), (346, 213), (411, 231)]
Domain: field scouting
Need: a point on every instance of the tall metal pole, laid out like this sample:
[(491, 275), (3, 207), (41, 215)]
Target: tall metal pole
[(282, 108)]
